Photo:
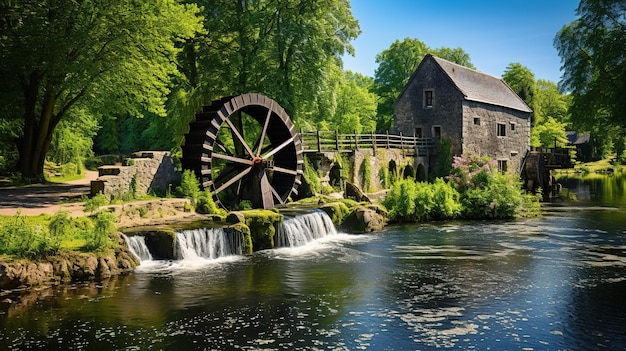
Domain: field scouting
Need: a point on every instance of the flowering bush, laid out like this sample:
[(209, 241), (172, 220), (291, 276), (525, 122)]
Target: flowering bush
[(475, 189), (485, 192)]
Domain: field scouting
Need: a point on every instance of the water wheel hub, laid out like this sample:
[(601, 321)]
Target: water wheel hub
[(245, 148)]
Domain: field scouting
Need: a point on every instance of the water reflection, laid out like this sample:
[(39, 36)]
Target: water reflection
[(550, 283), (603, 189)]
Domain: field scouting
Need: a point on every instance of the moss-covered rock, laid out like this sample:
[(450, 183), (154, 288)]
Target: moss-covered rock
[(235, 217), (337, 211), (363, 220), (68, 266), (262, 224)]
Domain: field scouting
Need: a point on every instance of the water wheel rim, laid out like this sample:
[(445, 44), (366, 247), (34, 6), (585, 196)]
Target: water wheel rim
[(273, 164)]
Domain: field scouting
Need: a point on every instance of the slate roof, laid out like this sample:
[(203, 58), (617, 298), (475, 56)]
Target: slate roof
[(478, 86)]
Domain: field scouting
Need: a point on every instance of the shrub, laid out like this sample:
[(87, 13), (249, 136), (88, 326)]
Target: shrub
[(189, 186), (97, 201), (474, 190), (20, 239), (485, 193), (243, 205), (61, 226), (206, 204), (446, 200), (99, 238), (311, 177)]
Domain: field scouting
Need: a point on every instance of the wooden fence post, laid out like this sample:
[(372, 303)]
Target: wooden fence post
[(387, 132), (319, 144), (336, 140)]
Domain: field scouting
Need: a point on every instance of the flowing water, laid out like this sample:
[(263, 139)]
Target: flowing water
[(551, 283)]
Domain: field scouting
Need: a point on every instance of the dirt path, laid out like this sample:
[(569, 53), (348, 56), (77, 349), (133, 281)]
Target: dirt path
[(34, 200)]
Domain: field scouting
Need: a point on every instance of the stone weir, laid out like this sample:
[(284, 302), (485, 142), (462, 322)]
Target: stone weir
[(243, 232), (239, 233)]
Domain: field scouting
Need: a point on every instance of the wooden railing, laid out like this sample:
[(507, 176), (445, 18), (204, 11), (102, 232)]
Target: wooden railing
[(329, 141)]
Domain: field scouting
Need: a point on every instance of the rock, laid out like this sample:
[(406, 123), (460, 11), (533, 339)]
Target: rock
[(353, 192), (161, 243), (262, 224), (334, 174), (67, 266), (235, 217), (337, 211), (363, 220)]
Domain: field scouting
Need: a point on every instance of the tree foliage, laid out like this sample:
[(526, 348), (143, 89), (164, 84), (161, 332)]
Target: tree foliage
[(593, 56), (396, 64), (105, 57), (522, 81)]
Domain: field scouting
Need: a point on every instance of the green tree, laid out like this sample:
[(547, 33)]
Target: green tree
[(522, 81), (356, 106), (283, 49), (396, 64), (456, 55), (593, 56), (593, 53), (103, 56), (549, 133), (549, 102)]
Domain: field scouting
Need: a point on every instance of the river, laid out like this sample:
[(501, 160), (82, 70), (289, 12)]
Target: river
[(551, 283)]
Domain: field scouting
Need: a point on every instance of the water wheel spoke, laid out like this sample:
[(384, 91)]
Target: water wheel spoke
[(285, 170), (267, 192), (239, 136), (277, 149), (264, 131), (240, 160), (232, 180), (223, 148), (228, 170), (277, 196)]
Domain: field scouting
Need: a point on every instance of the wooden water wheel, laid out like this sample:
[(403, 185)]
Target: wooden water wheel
[(245, 148)]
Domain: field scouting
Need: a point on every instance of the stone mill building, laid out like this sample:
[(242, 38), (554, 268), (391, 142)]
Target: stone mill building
[(478, 113)]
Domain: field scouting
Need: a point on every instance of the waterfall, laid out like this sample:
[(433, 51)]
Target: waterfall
[(137, 245), (208, 243), (299, 230)]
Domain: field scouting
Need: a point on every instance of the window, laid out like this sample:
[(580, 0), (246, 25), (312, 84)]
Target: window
[(502, 166), (476, 121), (418, 132), (501, 129), (428, 98), (513, 126), (437, 132)]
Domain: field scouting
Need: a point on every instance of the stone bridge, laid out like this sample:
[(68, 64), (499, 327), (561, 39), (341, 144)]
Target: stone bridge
[(371, 159)]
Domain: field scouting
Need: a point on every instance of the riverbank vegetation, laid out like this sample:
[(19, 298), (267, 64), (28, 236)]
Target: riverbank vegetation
[(474, 190), (39, 236)]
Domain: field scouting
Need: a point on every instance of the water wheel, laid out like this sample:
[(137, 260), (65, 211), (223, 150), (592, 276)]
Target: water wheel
[(245, 148), (535, 174)]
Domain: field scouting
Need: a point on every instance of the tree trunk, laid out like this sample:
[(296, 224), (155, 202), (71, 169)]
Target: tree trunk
[(35, 143)]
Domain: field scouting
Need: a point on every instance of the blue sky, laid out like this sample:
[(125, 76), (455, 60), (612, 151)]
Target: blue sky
[(495, 33)]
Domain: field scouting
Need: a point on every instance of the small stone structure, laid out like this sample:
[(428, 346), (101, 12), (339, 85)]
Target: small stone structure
[(478, 113), (393, 160), (145, 171)]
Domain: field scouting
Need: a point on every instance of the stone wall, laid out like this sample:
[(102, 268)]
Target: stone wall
[(145, 172), (379, 158), (470, 126), (446, 112), (482, 138)]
